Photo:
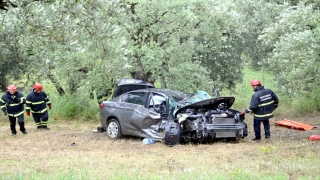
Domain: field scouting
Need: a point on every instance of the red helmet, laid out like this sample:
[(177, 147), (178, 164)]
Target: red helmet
[(38, 87), (12, 87), (255, 82)]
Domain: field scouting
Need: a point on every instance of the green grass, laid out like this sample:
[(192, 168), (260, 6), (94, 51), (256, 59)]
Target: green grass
[(48, 155), (78, 107)]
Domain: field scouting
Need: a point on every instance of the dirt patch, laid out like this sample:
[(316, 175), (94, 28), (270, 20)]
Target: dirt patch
[(73, 145)]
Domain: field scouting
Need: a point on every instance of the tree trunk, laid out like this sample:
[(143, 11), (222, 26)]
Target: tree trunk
[(56, 84), (3, 84), (142, 76)]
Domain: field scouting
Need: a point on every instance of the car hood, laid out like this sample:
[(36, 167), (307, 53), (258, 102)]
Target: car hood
[(211, 103)]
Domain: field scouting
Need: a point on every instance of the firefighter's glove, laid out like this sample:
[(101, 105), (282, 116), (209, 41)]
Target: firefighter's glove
[(50, 106), (28, 113), (242, 112), (13, 97)]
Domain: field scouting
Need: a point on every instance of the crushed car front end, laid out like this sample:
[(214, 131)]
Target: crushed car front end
[(210, 120)]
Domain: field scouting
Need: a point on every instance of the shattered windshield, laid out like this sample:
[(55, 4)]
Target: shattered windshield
[(198, 96)]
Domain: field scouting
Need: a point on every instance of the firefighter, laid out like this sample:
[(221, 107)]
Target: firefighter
[(263, 102), (38, 103), (12, 104)]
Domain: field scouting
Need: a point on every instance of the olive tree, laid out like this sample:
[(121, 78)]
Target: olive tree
[(295, 58), (12, 63), (185, 45), (69, 43), (256, 15)]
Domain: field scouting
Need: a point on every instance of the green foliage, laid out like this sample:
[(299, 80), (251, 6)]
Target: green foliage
[(255, 17), (56, 41), (76, 106), (219, 46), (11, 62), (185, 77), (101, 41), (162, 39), (294, 59), (87, 46), (302, 105), (71, 106)]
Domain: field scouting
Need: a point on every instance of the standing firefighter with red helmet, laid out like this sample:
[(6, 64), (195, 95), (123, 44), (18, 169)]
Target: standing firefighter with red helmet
[(37, 103), (12, 104), (263, 103)]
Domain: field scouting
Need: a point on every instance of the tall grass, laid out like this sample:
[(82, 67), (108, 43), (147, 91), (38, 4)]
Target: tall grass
[(78, 106), (304, 104), (243, 91), (298, 105)]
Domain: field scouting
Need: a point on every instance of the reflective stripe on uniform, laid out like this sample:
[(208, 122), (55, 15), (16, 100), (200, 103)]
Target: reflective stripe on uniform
[(265, 115), (39, 111), (16, 115), (265, 104), (46, 99), (40, 102), (13, 104), (21, 99)]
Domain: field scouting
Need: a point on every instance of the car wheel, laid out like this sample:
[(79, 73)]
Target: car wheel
[(114, 129)]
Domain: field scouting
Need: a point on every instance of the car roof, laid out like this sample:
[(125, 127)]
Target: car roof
[(132, 81)]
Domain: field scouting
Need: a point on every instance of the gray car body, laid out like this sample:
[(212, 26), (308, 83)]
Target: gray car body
[(146, 118), (136, 119)]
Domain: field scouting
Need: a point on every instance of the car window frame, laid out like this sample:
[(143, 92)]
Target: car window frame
[(152, 106), (134, 95)]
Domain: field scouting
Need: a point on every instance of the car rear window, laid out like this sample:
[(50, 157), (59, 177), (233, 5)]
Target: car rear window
[(129, 87)]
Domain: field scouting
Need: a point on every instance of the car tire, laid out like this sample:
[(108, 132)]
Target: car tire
[(113, 129)]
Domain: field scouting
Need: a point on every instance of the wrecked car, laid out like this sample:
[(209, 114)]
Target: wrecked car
[(172, 116)]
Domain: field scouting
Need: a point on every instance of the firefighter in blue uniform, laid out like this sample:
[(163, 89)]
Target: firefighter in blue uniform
[(38, 103), (263, 103), (12, 104)]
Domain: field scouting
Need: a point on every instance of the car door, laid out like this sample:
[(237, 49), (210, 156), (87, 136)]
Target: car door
[(130, 102), (148, 119)]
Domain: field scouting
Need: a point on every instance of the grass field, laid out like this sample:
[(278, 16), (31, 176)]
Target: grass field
[(70, 150)]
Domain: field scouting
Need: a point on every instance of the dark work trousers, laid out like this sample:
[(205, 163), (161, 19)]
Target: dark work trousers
[(13, 123), (41, 119), (257, 128)]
